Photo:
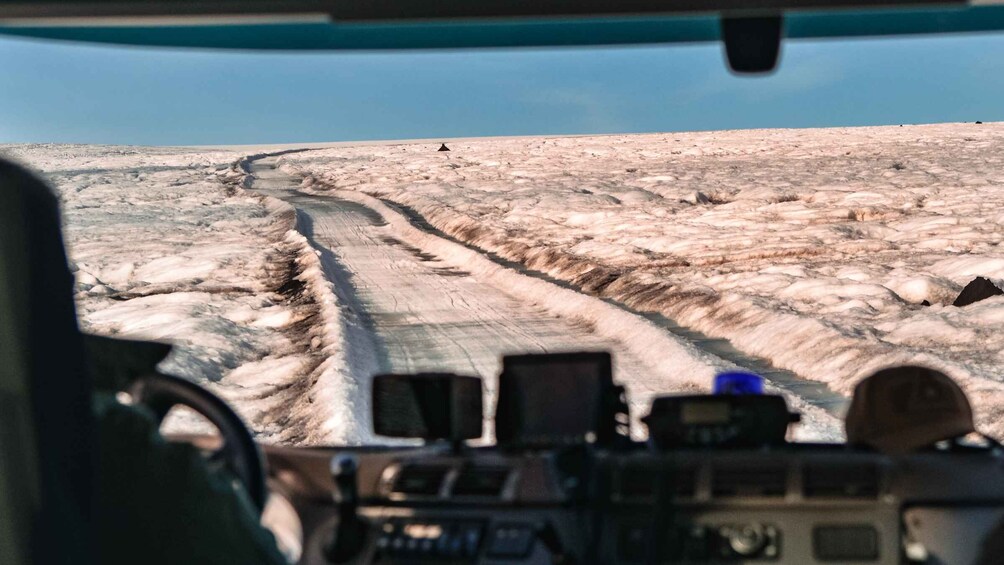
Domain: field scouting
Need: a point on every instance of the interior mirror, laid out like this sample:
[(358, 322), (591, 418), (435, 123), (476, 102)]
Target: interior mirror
[(752, 45)]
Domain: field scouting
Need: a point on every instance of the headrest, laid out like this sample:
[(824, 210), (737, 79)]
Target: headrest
[(43, 377), (902, 409)]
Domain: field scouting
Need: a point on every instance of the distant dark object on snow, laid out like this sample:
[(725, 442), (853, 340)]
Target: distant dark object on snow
[(979, 122), (925, 303), (443, 147), (978, 289)]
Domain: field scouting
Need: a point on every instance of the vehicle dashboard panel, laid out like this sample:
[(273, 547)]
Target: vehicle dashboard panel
[(798, 504)]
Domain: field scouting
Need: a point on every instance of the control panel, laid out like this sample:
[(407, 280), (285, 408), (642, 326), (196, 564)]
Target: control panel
[(452, 540), (439, 540), (804, 505), (698, 543)]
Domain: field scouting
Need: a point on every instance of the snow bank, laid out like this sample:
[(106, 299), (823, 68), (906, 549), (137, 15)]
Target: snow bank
[(320, 410)]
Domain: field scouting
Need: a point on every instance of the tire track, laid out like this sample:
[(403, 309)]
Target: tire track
[(412, 312), (815, 393)]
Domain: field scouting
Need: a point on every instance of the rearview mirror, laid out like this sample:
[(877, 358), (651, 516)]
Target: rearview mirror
[(428, 406)]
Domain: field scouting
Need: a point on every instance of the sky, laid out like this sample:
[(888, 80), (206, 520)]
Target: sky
[(76, 93)]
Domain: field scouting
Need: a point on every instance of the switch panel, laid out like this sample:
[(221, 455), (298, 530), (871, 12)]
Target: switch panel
[(432, 540)]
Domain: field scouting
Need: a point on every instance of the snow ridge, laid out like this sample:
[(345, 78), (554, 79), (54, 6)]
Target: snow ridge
[(334, 406), (317, 415), (321, 408)]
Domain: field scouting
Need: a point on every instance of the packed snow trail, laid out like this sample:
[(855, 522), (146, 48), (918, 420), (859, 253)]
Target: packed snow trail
[(802, 391), (412, 313), (816, 249), (406, 309)]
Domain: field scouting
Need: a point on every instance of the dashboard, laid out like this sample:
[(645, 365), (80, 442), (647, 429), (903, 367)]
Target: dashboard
[(791, 504)]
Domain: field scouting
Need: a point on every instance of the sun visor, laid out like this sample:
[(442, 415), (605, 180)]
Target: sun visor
[(328, 26)]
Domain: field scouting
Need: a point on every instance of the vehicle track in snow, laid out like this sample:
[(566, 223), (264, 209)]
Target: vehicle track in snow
[(407, 311), (815, 393)]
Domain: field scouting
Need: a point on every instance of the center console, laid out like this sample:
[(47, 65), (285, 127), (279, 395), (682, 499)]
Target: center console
[(801, 505)]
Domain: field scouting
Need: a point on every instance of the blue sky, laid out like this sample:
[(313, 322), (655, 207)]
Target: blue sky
[(62, 92)]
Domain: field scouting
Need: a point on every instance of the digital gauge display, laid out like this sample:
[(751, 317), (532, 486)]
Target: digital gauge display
[(553, 399), (423, 531), (697, 413), (748, 420)]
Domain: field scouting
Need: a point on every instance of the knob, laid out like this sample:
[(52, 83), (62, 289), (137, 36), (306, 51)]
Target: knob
[(344, 473), (746, 540)]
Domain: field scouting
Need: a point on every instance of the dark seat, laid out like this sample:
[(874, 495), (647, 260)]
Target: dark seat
[(45, 415)]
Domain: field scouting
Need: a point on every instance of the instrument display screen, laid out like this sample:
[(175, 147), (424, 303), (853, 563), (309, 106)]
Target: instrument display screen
[(552, 398), (696, 413), (423, 531)]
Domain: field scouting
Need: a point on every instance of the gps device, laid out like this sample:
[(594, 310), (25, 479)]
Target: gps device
[(429, 406), (557, 399), (729, 420)]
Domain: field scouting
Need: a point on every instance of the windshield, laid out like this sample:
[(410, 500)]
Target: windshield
[(262, 212)]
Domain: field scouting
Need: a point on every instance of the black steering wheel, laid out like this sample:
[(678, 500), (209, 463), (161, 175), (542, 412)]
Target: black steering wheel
[(239, 455)]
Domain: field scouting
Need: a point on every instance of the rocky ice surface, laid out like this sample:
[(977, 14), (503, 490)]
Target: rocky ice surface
[(828, 253), (165, 246), (816, 249)]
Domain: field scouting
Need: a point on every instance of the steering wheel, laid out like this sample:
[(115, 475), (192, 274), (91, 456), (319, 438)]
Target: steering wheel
[(239, 454)]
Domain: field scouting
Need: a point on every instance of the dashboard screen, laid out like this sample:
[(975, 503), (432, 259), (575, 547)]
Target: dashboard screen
[(427, 406), (552, 398), (705, 413)]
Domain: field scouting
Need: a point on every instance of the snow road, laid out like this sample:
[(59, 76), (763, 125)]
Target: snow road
[(405, 309), (817, 250), (826, 253)]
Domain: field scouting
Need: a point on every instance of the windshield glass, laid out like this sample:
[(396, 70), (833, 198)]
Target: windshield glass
[(268, 214)]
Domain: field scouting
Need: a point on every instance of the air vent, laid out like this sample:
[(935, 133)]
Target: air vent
[(641, 482), (481, 481), (749, 480), (841, 480), (420, 479)]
